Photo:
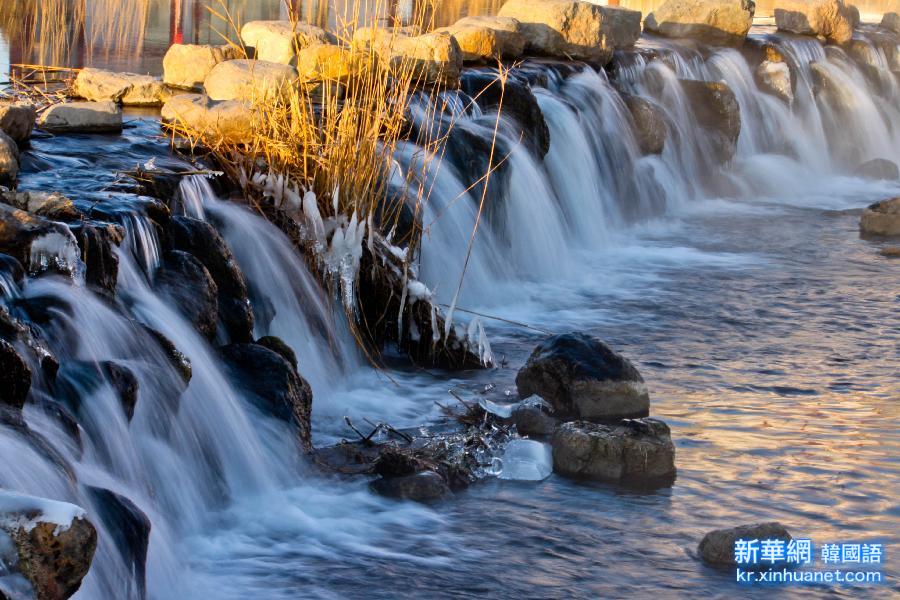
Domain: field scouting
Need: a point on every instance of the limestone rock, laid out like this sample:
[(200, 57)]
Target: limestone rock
[(506, 36), (279, 41), (637, 449), (717, 22), (17, 120), (324, 62), (717, 110), (717, 547), (130, 89), (250, 80), (775, 78), (828, 19), (881, 218), (572, 28), (82, 117), (582, 377), (433, 57), (187, 65), (230, 121)]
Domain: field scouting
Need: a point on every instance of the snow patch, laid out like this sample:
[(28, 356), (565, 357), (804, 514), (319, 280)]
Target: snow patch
[(18, 511)]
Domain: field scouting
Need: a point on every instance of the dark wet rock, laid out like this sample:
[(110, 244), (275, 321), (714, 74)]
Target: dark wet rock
[(204, 242), (718, 112), (77, 379), (17, 120), (178, 360), (881, 219), (15, 376), (37, 242), (426, 486), (633, 449), (9, 160), (716, 22), (649, 124), (473, 152), (533, 418), (582, 377), (53, 557), (98, 243), (11, 269), (28, 340), (130, 529), (51, 205), (192, 290), (272, 384), (276, 344), (65, 420), (879, 168), (518, 102), (717, 547), (124, 382)]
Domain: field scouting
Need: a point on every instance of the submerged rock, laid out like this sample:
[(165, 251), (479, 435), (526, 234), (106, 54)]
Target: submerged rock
[(279, 41), (178, 360), (82, 117), (129, 89), (891, 21), (9, 160), (272, 384), (191, 289), (637, 449), (426, 486), (717, 110), (78, 378), (54, 543), (649, 124), (17, 119), (716, 22), (15, 376), (775, 78), (250, 80), (879, 168), (827, 19), (572, 28), (187, 65), (717, 547), (881, 218), (582, 377)]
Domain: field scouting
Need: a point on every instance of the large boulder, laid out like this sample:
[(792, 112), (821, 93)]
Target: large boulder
[(15, 376), (718, 112), (9, 160), (231, 121), (718, 22), (827, 19), (881, 218), (250, 80), (187, 65), (634, 449), (879, 168), (126, 88), (51, 543), (17, 119), (775, 78), (581, 377), (279, 41), (82, 117), (572, 28), (488, 37), (272, 384), (650, 129), (431, 58), (191, 288), (324, 62), (717, 547), (37, 243)]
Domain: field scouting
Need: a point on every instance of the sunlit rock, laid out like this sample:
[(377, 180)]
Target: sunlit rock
[(827, 19), (51, 544), (633, 449), (431, 58), (82, 117), (279, 41), (571, 28), (9, 160), (881, 218), (488, 37), (581, 377), (250, 80), (717, 22), (126, 88), (187, 65), (718, 112), (879, 168), (717, 547), (775, 78), (51, 205), (891, 21), (324, 61), (229, 121), (649, 124), (17, 119)]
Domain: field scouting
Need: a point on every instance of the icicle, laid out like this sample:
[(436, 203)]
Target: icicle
[(435, 330)]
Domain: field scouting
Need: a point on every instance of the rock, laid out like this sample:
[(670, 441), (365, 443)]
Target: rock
[(82, 117), (426, 486), (192, 290), (717, 110), (130, 89), (15, 376), (54, 543), (51, 205), (571, 28), (98, 243), (853, 16), (881, 218), (9, 160), (124, 382), (204, 242), (758, 50), (717, 547), (432, 58), (187, 65), (504, 37), (518, 102), (36, 242), (632, 449), (17, 120), (716, 22), (531, 418), (178, 360), (775, 78), (879, 168), (279, 41), (890, 252), (273, 384), (891, 22), (130, 531), (276, 344), (582, 377), (378, 40), (231, 121), (79, 378), (324, 62), (250, 80), (828, 19), (649, 124)]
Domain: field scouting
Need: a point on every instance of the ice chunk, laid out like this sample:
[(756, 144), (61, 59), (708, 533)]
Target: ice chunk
[(526, 460), (18, 511), (504, 411)]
